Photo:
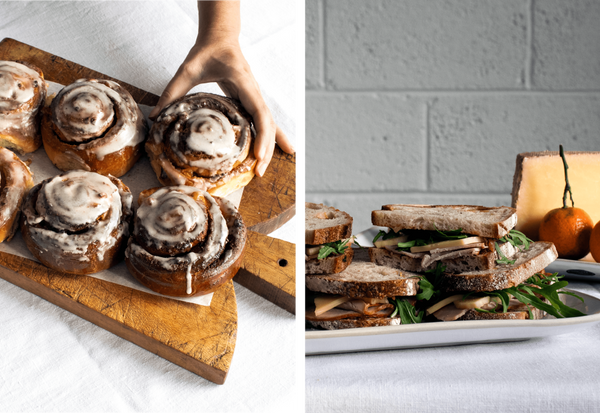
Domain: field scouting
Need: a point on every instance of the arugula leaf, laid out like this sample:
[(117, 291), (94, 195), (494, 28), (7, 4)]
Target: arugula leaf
[(452, 234), (406, 246), (424, 237), (529, 293), (517, 239), (329, 248), (427, 289), (386, 235), (503, 259), (406, 311)]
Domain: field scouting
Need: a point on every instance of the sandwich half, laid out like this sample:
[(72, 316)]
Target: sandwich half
[(328, 239), (363, 295), (460, 237)]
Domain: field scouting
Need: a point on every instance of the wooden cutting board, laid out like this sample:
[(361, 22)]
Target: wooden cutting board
[(198, 338)]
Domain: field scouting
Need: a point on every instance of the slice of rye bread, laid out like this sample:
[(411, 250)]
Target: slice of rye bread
[(539, 255), (509, 315), (329, 265), (485, 260), (469, 315), (365, 279), (325, 224), (489, 222), (355, 323)]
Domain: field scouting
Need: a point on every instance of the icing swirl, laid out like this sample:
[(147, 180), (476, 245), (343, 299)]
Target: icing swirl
[(92, 109), (75, 218), (22, 93), (183, 233), (17, 84), (202, 140)]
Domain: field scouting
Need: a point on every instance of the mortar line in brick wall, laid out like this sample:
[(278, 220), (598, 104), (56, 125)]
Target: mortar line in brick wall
[(434, 93), (411, 193), (529, 51), (427, 154), (323, 17)]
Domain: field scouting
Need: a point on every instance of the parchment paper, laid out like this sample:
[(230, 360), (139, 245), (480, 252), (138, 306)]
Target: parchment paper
[(139, 178)]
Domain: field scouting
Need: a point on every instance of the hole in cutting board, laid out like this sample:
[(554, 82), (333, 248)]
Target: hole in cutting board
[(282, 262)]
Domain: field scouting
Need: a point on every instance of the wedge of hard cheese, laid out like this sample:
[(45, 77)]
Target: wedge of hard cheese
[(539, 255), (539, 183)]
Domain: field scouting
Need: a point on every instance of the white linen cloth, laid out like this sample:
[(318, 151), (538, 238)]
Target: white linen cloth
[(51, 360), (553, 374)]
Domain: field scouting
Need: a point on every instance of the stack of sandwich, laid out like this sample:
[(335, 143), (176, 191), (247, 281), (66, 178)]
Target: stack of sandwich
[(440, 263), (327, 233)]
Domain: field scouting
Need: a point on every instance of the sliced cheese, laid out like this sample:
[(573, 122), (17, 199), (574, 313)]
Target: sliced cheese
[(539, 184), (447, 244), (472, 302), (326, 303), (443, 303), (380, 243), (313, 250)]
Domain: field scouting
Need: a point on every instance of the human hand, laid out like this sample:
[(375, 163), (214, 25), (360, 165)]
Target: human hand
[(217, 57)]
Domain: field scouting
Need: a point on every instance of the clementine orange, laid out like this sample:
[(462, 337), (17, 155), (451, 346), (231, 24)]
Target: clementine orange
[(595, 242), (569, 229)]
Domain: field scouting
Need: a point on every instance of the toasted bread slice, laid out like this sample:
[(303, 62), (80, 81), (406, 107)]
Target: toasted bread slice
[(509, 315), (329, 265), (539, 255), (485, 260), (355, 323), (489, 222), (365, 279), (325, 224)]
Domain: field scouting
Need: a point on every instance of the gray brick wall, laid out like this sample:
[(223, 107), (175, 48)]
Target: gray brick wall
[(430, 101)]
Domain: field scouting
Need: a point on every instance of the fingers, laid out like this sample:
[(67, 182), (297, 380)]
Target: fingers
[(265, 139), (178, 86), (283, 141)]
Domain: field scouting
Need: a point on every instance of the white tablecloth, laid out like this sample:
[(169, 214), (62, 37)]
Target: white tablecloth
[(553, 374), (51, 360)]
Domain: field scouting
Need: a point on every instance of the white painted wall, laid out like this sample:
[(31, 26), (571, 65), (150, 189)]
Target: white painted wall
[(431, 101)]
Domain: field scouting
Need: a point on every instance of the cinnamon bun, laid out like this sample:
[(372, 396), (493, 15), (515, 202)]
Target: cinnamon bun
[(77, 222), (94, 125), (205, 141), (185, 242), (22, 93), (16, 181)]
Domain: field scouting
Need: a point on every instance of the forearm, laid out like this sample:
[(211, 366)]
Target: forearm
[(218, 21)]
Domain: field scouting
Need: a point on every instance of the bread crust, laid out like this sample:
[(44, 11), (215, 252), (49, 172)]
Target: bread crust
[(355, 282), (489, 222), (527, 263), (329, 265), (356, 323), (325, 224), (509, 315)]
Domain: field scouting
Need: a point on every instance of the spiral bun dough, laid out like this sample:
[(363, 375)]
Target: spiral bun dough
[(185, 242), (15, 184), (22, 93), (77, 222), (205, 141), (94, 125)]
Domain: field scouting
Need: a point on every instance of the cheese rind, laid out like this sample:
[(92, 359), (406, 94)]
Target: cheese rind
[(539, 184)]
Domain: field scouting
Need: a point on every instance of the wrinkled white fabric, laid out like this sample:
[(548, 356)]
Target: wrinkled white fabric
[(51, 360)]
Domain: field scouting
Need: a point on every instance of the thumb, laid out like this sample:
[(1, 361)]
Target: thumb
[(177, 87)]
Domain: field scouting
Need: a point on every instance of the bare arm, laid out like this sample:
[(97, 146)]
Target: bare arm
[(217, 57)]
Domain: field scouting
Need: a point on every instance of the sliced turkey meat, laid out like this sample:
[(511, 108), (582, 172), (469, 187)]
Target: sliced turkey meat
[(429, 259)]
